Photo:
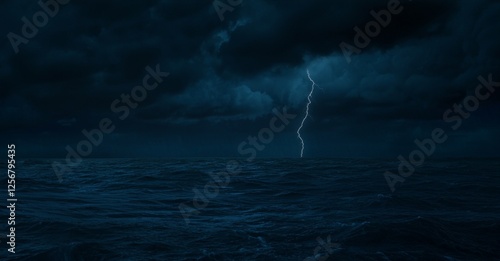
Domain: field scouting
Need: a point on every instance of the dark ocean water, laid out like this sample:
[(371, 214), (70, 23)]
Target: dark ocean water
[(128, 209)]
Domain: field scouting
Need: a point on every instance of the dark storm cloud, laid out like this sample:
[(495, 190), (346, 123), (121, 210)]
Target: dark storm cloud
[(234, 72), (288, 31), (423, 77), (92, 51)]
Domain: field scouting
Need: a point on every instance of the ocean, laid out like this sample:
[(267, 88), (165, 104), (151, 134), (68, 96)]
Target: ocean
[(274, 209)]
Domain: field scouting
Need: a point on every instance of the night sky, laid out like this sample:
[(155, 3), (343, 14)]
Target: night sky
[(225, 77)]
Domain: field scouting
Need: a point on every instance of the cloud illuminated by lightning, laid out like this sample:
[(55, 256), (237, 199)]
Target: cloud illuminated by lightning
[(307, 113)]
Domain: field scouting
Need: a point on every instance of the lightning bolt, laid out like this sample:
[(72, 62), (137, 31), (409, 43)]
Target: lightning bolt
[(307, 113)]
